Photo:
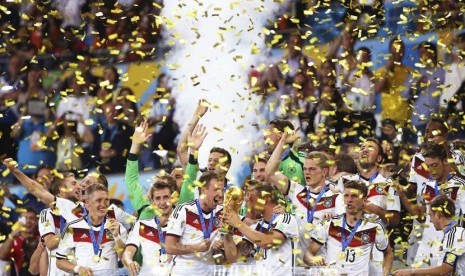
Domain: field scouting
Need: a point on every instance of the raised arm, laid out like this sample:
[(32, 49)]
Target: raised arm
[(273, 176), (31, 185), (195, 141), (387, 261), (131, 176), (405, 196), (182, 149)]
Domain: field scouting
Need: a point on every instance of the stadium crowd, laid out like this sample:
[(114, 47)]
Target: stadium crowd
[(360, 167)]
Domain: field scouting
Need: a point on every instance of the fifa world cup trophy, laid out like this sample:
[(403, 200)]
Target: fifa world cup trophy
[(232, 202)]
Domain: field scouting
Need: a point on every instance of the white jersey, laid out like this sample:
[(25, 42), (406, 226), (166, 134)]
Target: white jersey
[(76, 246), (279, 259), (380, 192), (51, 224), (146, 237), (185, 223), (452, 250), (429, 243), (298, 195), (354, 260), (72, 211)]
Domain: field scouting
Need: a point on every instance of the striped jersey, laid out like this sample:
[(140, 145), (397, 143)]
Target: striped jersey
[(452, 250), (50, 224), (303, 208), (185, 223), (281, 258), (354, 260), (146, 237), (76, 246)]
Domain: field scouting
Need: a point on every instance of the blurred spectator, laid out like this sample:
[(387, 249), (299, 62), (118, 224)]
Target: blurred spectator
[(34, 149), (70, 11), (12, 247), (390, 83), (29, 246), (425, 86), (13, 79), (76, 101), (304, 98), (126, 106), (111, 78), (453, 98), (112, 145), (70, 145)]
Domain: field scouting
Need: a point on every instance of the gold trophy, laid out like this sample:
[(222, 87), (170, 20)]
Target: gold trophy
[(233, 198)]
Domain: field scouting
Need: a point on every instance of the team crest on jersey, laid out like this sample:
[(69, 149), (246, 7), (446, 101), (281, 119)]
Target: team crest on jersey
[(365, 238), (291, 169), (327, 203), (216, 222), (380, 187)]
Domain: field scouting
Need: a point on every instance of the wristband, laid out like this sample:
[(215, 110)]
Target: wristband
[(76, 268)]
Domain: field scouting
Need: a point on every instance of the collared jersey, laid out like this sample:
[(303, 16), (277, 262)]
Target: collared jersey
[(49, 224), (298, 195), (76, 246), (279, 259), (454, 188), (185, 223), (380, 192), (72, 211), (452, 250), (354, 260), (145, 236)]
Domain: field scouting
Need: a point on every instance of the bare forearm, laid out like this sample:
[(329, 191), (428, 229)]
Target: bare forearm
[(412, 208), (387, 262), (180, 249), (34, 263), (182, 148), (119, 247), (5, 248), (65, 265), (259, 238), (273, 163), (52, 241), (33, 187), (230, 249)]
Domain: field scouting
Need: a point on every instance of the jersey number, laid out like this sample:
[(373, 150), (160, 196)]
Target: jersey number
[(350, 255)]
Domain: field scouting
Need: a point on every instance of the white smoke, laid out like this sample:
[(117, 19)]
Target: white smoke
[(214, 43)]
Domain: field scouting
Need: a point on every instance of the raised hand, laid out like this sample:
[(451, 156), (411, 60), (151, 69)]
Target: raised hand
[(204, 246), (289, 136), (10, 163), (141, 134), (202, 108), (197, 136)]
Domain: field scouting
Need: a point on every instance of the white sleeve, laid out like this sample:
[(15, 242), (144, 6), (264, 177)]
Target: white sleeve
[(134, 237), (126, 219), (65, 208), (339, 208), (123, 233), (381, 239), (287, 225), (177, 221), (294, 189), (46, 223), (66, 245), (393, 200), (320, 232)]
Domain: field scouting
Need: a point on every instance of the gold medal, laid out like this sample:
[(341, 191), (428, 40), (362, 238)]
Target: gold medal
[(258, 256), (341, 255), (163, 258), (96, 259)]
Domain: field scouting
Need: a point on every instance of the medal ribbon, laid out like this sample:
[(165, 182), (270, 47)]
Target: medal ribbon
[(269, 226), (206, 232), (436, 185), (449, 226), (95, 243), (62, 224), (346, 241), (317, 200), (161, 236)]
